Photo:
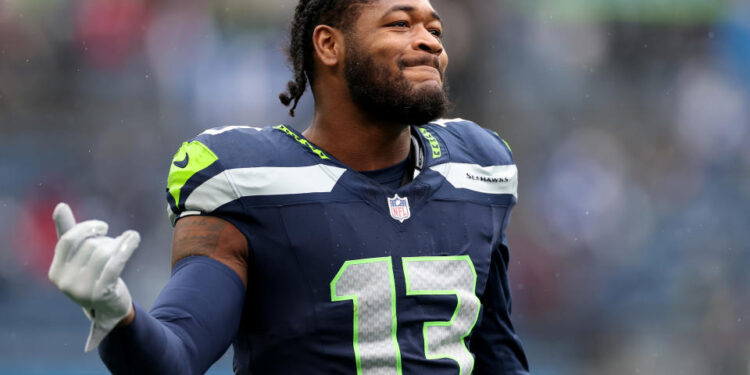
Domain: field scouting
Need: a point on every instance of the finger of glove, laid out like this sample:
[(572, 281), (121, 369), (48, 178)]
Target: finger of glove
[(124, 247), (92, 255), (71, 241), (79, 276), (74, 276), (63, 218)]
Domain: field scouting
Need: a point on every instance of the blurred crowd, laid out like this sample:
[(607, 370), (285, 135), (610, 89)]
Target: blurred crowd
[(629, 121)]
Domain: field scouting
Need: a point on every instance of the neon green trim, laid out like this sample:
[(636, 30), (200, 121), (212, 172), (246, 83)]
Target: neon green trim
[(410, 292), (303, 141), (437, 152), (394, 336), (355, 301), (507, 145), (502, 139), (198, 156)]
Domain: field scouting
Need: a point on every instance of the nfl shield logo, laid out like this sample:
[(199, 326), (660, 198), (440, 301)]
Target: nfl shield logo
[(399, 208)]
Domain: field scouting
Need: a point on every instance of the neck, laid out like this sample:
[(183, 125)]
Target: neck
[(363, 144)]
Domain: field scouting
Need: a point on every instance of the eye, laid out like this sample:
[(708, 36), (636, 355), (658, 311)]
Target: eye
[(400, 24), (437, 33)]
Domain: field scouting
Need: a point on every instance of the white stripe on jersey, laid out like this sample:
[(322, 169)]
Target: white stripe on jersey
[(444, 121), (263, 181), (227, 128), (494, 179)]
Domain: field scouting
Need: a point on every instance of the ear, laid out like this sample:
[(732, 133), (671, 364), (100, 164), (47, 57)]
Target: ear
[(329, 45)]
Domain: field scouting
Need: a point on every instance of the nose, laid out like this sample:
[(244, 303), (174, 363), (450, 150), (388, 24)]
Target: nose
[(428, 42)]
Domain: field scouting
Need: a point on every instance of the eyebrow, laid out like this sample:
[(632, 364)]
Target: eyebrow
[(409, 9)]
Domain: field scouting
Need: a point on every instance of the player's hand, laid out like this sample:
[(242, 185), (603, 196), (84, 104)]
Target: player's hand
[(87, 266)]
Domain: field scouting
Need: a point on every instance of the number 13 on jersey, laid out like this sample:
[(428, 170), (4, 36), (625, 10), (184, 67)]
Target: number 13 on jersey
[(369, 284)]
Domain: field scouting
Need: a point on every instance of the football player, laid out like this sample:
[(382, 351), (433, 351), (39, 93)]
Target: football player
[(371, 243)]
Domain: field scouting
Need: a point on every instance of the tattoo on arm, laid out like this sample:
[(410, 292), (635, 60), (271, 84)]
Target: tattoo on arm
[(199, 237), (211, 237)]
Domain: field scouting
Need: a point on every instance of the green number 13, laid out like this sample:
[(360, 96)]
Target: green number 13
[(369, 284)]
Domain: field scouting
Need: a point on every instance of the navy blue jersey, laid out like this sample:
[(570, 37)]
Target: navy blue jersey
[(347, 276)]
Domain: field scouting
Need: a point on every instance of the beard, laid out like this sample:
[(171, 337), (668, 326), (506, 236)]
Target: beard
[(390, 97)]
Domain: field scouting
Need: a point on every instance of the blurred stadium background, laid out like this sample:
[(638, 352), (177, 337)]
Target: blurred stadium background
[(629, 119)]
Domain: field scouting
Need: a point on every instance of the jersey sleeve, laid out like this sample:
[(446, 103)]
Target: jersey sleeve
[(198, 183), (191, 324), (497, 347), (495, 344)]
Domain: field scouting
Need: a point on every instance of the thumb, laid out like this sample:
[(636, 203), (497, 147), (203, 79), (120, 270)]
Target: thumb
[(64, 219)]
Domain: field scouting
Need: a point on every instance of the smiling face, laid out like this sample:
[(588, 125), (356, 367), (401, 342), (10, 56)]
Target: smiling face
[(395, 62)]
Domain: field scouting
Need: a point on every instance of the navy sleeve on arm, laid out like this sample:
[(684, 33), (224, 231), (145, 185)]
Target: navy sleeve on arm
[(192, 323), (496, 346)]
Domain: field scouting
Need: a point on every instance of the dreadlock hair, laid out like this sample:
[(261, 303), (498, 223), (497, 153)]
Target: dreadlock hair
[(307, 16)]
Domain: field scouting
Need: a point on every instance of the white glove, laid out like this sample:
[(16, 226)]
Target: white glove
[(87, 267)]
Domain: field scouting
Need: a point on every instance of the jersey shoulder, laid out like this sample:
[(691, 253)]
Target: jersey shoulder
[(479, 161), (468, 142), (247, 146), (204, 172)]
